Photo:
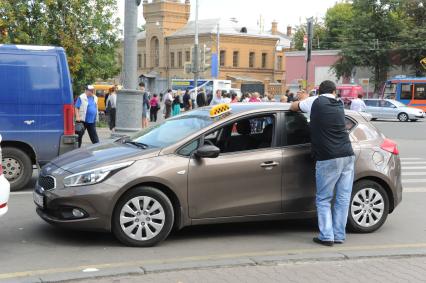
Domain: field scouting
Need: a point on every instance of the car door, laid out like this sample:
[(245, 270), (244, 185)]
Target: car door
[(388, 110), (372, 108), (298, 178), (245, 179)]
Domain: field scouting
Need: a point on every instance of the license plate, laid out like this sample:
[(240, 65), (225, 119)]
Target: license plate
[(38, 199)]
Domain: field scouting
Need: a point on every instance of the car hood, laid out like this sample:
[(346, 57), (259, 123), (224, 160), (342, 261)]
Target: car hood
[(101, 154), (410, 109)]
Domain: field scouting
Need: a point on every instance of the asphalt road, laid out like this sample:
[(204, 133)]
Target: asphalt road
[(30, 247)]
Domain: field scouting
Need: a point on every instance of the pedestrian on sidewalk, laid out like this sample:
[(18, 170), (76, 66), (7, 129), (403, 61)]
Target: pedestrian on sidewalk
[(168, 100), (335, 161), (234, 97), (176, 105), (154, 107), (255, 97), (217, 99), (145, 105), (86, 113), (187, 102), (111, 108), (201, 98)]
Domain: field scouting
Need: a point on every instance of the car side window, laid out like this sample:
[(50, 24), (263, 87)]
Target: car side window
[(371, 103), (189, 148), (350, 124), (296, 129), (244, 134)]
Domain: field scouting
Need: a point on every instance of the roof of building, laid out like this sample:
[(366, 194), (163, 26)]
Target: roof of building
[(226, 27)]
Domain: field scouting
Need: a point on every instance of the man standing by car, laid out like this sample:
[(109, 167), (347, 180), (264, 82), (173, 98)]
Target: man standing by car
[(335, 161), (86, 112), (168, 100), (358, 105)]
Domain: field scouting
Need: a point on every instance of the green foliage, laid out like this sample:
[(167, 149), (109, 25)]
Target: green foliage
[(87, 29), (337, 21)]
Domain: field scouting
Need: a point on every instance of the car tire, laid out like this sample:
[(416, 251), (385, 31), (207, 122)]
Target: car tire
[(366, 216), (136, 227), (403, 117), (17, 168)]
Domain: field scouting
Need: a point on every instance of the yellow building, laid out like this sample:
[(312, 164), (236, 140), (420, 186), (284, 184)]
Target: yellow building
[(249, 58)]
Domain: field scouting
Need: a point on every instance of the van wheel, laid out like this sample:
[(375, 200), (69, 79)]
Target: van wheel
[(403, 117), (143, 217), (369, 207), (17, 168)]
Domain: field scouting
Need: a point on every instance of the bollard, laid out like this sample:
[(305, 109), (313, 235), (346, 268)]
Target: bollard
[(129, 113)]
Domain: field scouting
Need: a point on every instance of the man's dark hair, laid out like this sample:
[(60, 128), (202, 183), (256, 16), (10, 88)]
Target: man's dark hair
[(142, 84), (360, 96), (327, 87), (169, 90)]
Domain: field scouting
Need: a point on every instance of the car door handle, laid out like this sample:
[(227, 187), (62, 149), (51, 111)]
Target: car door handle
[(269, 164)]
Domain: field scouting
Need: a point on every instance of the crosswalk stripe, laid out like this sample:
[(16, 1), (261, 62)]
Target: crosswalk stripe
[(413, 174), (413, 163), (413, 180), (413, 168), (414, 190), (410, 158)]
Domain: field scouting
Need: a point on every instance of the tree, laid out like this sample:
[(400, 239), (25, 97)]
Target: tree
[(370, 37), (337, 21), (413, 34), (87, 30)]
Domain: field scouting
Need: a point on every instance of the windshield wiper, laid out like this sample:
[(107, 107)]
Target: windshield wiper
[(138, 144)]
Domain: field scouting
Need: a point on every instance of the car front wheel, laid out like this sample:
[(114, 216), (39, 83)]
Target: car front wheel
[(369, 207), (403, 117), (143, 217)]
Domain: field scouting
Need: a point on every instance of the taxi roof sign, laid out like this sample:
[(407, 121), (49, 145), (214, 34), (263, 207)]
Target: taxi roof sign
[(219, 110)]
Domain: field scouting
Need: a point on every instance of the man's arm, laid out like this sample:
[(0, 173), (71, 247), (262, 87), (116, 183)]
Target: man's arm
[(304, 105), (295, 106), (77, 109)]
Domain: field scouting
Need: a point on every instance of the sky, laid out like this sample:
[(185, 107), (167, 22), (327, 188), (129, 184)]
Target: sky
[(248, 12)]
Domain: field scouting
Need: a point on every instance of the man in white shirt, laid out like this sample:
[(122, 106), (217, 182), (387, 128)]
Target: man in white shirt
[(217, 99), (168, 100), (358, 105)]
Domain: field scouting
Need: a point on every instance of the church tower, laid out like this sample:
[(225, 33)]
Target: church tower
[(163, 18)]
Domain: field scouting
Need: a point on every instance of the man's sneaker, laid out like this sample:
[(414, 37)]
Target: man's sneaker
[(339, 242), (324, 243)]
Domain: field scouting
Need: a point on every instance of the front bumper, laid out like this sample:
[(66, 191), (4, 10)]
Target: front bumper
[(95, 202), (4, 194)]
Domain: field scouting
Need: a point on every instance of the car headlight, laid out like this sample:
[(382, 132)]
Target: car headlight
[(93, 176)]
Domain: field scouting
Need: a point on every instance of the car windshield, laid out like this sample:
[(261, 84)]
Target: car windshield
[(173, 130), (398, 104)]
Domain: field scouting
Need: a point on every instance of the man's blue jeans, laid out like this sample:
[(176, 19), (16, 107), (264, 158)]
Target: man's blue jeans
[(334, 180)]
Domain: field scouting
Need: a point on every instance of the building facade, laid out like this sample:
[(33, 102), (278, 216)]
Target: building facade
[(249, 58)]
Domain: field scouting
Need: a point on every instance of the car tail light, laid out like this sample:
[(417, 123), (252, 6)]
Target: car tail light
[(3, 205), (390, 146), (69, 119)]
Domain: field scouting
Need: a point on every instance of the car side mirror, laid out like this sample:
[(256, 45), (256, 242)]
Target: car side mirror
[(207, 151)]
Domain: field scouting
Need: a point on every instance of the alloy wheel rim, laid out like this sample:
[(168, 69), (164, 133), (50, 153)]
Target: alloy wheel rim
[(142, 218), (404, 117), (367, 207), (12, 169)]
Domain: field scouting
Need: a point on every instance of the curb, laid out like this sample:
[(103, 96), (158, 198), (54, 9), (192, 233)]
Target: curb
[(259, 260)]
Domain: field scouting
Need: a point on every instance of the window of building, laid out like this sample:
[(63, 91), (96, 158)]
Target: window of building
[(279, 62), (406, 91), (235, 58), (180, 59), (264, 60), (420, 91), (251, 60), (144, 60), (139, 61), (222, 58), (172, 59), (187, 56)]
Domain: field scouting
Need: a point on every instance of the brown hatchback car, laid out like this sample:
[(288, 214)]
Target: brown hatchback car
[(212, 165)]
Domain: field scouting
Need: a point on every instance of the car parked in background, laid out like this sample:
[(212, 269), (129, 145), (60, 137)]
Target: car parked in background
[(392, 109), (4, 189), (251, 162), (36, 109)]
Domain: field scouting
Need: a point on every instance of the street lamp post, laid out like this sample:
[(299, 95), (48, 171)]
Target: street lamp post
[(195, 60)]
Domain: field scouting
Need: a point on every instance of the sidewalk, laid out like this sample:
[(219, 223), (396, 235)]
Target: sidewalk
[(393, 269)]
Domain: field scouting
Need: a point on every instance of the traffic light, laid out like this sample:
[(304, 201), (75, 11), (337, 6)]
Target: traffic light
[(206, 58)]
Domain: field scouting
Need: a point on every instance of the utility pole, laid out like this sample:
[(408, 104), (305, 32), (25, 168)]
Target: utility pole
[(130, 44), (310, 33), (195, 59)]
